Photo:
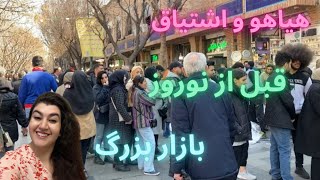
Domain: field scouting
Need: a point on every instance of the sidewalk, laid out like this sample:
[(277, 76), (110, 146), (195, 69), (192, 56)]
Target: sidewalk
[(258, 164)]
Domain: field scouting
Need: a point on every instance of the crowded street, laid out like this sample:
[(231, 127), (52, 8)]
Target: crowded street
[(159, 89), (259, 156)]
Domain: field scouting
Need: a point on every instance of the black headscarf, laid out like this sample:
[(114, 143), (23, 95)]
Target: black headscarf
[(149, 72), (80, 94), (116, 79)]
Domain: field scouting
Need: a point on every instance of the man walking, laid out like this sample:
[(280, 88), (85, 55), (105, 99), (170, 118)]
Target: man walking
[(34, 84)]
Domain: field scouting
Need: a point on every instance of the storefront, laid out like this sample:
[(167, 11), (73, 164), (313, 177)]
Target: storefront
[(216, 48)]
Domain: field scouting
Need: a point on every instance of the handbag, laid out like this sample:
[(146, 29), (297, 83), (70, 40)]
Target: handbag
[(163, 111), (119, 115), (153, 122), (6, 137), (103, 109)]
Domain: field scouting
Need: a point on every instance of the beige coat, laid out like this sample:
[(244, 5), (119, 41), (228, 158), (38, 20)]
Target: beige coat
[(87, 125)]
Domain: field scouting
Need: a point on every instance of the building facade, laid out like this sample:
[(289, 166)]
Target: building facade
[(222, 44)]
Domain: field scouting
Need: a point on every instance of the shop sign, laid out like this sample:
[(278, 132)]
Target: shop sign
[(154, 58), (170, 18), (215, 46)]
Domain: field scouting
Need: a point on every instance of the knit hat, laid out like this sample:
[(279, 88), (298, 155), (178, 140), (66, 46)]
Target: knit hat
[(316, 74)]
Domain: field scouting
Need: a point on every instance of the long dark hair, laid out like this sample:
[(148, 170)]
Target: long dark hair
[(99, 77), (66, 155)]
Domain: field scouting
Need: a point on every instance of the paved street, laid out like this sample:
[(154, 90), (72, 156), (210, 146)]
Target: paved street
[(258, 164)]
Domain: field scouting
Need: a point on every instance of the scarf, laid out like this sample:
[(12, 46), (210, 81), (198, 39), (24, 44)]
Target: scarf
[(80, 94)]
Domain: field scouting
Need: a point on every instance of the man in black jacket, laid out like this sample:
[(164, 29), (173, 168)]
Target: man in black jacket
[(279, 114), (301, 57), (211, 120)]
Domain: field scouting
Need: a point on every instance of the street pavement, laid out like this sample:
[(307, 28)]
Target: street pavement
[(258, 164)]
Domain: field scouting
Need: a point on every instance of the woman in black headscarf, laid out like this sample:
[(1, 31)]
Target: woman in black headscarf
[(80, 97), (119, 104)]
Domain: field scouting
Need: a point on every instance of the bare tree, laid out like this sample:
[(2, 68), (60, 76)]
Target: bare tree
[(57, 24), (176, 4), (17, 49), (135, 10), (12, 11)]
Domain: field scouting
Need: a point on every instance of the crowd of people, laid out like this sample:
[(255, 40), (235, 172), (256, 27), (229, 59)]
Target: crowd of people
[(69, 113)]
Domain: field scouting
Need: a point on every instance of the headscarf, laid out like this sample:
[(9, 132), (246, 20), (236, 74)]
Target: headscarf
[(150, 71), (5, 84), (116, 79), (135, 68), (67, 77), (316, 74), (80, 94)]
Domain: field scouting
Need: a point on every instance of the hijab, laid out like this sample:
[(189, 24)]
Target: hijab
[(117, 79), (5, 84), (80, 94), (67, 77)]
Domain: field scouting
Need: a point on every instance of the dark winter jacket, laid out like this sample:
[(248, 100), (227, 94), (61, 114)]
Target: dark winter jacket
[(11, 111), (102, 100), (308, 129), (279, 106), (16, 86), (241, 110), (211, 120), (92, 79)]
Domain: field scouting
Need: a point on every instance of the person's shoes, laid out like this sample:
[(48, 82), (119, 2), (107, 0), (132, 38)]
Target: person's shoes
[(152, 173), (90, 155), (98, 160), (132, 163), (158, 152), (246, 176), (121, 167), (86, 173), (302, 173), (108, 159)]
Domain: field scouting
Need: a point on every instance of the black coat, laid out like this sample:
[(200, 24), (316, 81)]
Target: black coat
[(308, 129), (242, 123), (11, 111), (16, 85), (102, 99), (279, 106), (210, 120)]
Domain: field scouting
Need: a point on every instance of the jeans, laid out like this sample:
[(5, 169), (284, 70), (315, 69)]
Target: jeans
[(85, 143), (27, 110), (6, 149), (280, 152), (102, 131), (146, 135)]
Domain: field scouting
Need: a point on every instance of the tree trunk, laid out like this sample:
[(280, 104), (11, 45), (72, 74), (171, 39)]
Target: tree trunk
[(163, 57)]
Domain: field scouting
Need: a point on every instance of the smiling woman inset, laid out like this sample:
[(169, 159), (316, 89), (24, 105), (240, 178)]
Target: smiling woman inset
[(53, 130)]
